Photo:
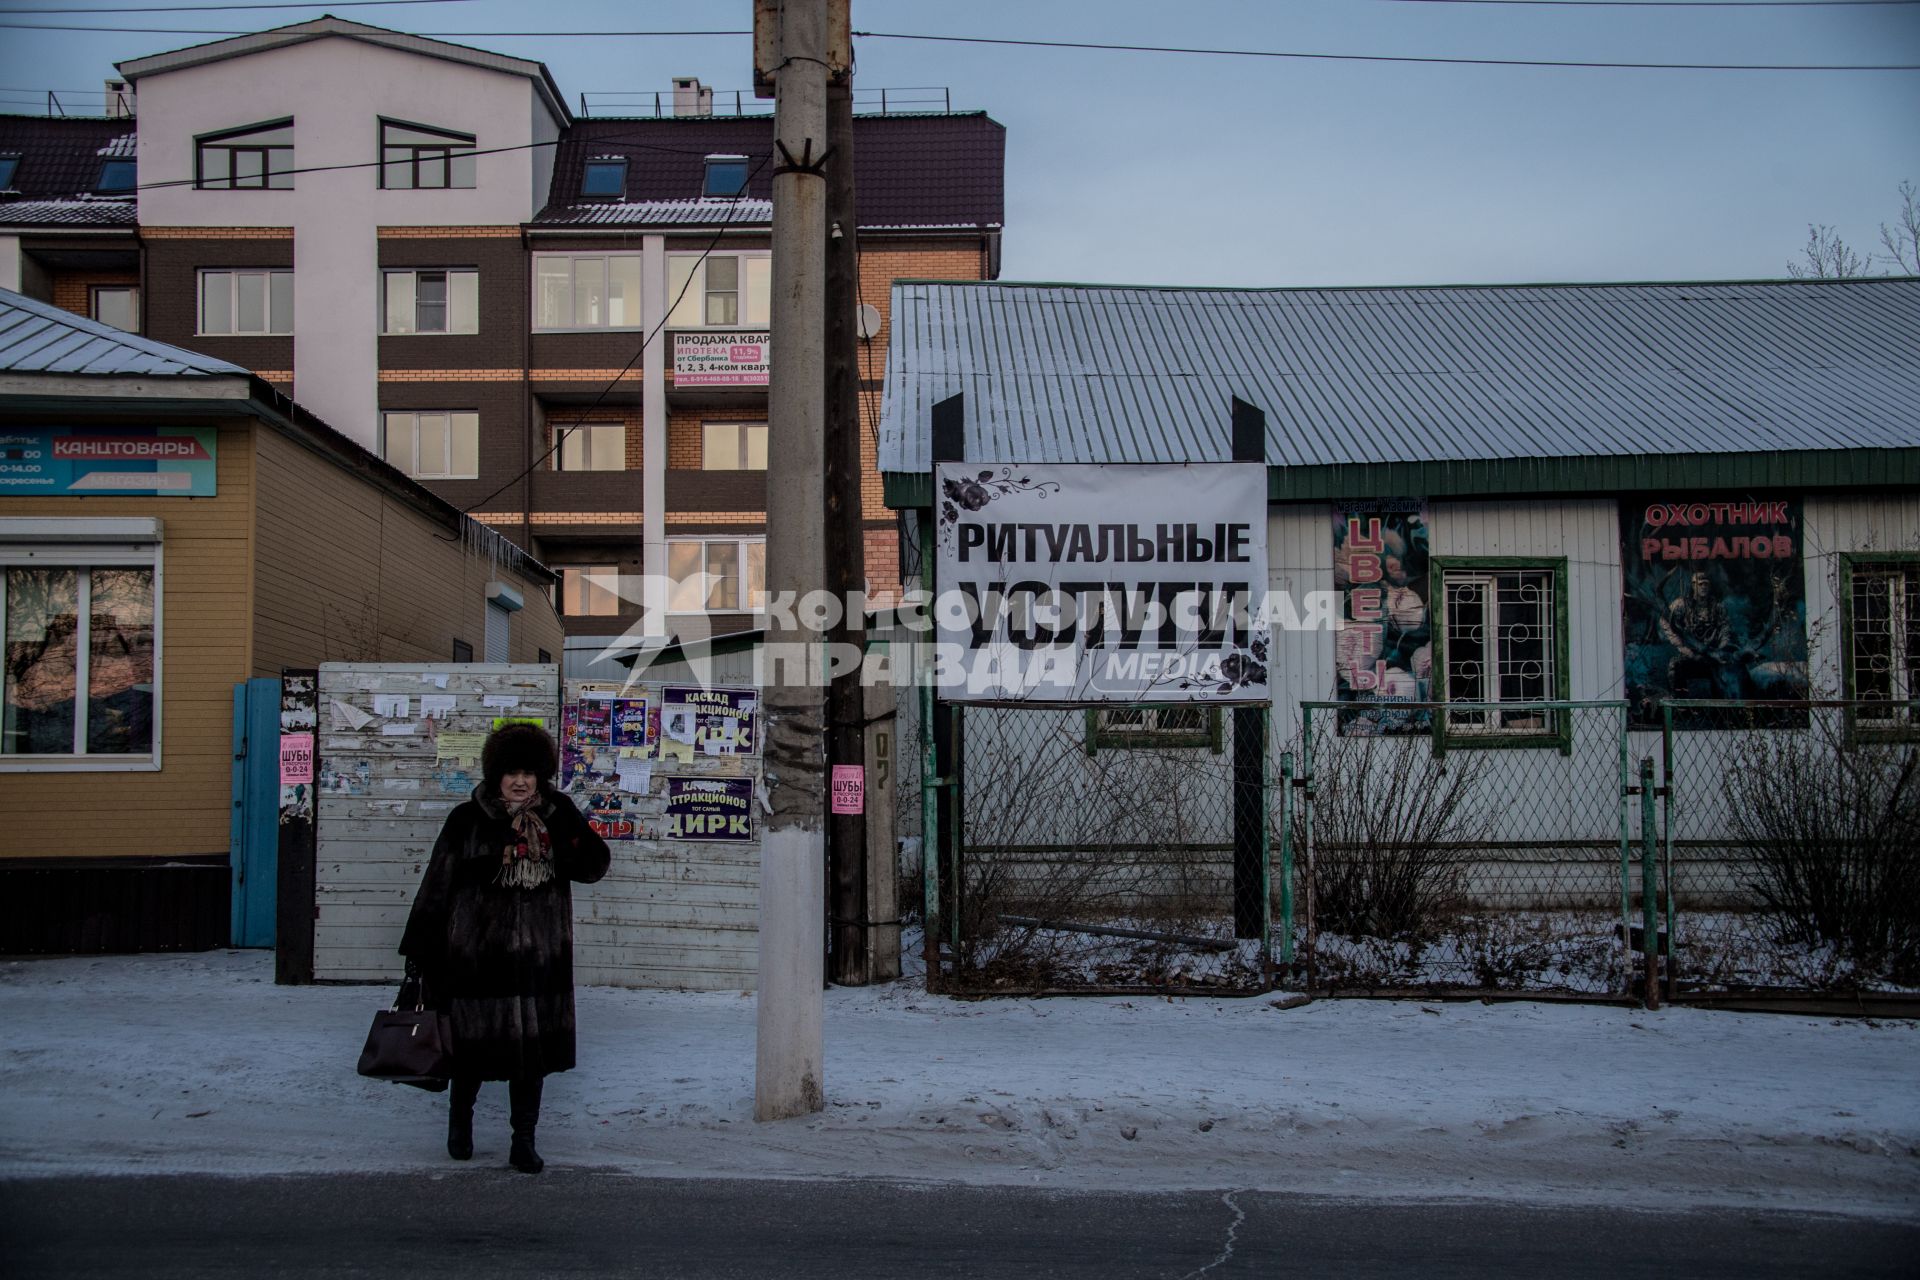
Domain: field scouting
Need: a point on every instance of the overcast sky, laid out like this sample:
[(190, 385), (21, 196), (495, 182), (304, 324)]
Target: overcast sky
[(1169, 169)]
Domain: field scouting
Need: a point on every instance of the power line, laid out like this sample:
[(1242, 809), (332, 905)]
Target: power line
[(1683, 4), (1377, 57), (435, 35), (205, 8)]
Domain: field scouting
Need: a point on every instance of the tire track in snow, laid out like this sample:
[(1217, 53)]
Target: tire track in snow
[(1233, 1233)]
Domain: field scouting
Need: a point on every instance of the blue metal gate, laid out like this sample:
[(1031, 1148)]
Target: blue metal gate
[(254, 842)]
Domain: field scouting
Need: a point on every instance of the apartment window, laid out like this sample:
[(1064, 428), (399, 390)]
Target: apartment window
[(82, 655), (117, 177), (1503, 640), (590, 446), (431, 301), (726, 290), (257, 157), (726, 176), (462, 651), (605, 177), (733, 446), (420, 156), (434, 444), (115, 304), (586, 291), (1881, 645), (246, 302), (9, 166), (591, 591), (1148, 727), (716, 575)]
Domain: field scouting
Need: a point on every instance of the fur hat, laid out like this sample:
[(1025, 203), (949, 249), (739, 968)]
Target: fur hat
[(515, 747)]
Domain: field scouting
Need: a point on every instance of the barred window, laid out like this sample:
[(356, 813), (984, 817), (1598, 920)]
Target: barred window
[(1149, 727), (1501, 646), (1883, 642)]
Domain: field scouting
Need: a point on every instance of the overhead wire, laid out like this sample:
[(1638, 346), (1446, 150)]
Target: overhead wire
[(209, 8)]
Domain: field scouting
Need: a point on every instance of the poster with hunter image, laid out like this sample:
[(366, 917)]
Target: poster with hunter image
[(1715, 605), (1383, 648)]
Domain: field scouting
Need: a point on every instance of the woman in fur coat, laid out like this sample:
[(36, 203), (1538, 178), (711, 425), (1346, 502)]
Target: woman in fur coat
[(492, 932)]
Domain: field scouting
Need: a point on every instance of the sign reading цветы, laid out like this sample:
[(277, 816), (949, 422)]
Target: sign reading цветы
[(1064, 583), (720, 360)]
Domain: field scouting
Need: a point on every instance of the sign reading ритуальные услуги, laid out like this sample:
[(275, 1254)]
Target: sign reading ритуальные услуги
[(175, 462), (1064, 583)]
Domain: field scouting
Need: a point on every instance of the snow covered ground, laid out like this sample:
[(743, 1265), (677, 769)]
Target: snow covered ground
[(153, 1064)]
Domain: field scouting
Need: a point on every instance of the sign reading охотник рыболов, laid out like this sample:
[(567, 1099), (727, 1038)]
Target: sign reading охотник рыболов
[(173, 462)]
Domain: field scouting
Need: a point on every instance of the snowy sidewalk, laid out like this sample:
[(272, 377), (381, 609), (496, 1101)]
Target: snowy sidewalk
[(153, 1064)]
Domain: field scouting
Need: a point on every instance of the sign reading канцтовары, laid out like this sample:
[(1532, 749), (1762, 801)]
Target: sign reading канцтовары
[(174, 462)]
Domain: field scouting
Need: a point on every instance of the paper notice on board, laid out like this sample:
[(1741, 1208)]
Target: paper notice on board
[(636, 776), (500, 700), (438, 679), (436, 705), (391, 705), (346, 715), (401, 729), (463, 747)]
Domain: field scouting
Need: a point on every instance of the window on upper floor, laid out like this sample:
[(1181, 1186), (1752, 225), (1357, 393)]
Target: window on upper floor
[(726, 176), (722, 291), (434, 444), (9, 166), (115, 304), (255, 300), (431, 301), (733, 446), (82, 674), (591, 446), (589, 591), (117, 177), (586, 291), (418, 156), (716, 575), (606, 177), (257, 157)]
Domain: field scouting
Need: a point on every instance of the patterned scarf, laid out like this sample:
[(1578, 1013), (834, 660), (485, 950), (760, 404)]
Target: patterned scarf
[(527, 861)]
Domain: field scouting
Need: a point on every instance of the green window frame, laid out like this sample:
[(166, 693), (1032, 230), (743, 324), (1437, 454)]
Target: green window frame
[(1129, 727), (1902, 723), (1450, 730)]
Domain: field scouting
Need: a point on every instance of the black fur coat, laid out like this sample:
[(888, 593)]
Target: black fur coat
[(499, 960)]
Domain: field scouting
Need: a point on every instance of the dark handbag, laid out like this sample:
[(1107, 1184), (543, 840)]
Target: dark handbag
[(410, 1043)]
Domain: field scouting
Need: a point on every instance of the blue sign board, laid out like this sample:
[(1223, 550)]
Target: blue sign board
[(173, 462)]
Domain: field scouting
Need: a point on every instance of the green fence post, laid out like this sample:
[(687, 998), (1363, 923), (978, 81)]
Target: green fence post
[(1649, 893), (1266, 846), (929, 840), (1286, 857), (1666, 842), (1626, 864)]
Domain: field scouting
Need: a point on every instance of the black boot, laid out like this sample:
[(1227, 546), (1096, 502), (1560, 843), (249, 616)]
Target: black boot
[(460, 1099), (524, 1098)]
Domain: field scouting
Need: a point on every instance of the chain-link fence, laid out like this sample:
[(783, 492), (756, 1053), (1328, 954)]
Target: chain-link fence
[(1465, 846), (1792, 842), (1108, 849)]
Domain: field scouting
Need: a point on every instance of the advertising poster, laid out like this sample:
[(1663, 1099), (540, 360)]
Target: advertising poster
[(1383, 647), (173, 462), (710, 809), (1715, 603), (720, 360), (698, 721), (1092, 583), (628, 729)]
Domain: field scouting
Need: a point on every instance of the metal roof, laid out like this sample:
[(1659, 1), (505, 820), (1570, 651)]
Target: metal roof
[(67, 213), (1062, 372), (38, 337)]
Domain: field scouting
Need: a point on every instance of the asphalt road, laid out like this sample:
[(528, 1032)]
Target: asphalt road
[(484, 1222)]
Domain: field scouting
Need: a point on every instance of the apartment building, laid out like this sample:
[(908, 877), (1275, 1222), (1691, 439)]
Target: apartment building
[(557, 323)]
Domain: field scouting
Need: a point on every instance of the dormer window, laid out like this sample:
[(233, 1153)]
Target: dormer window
[(258, 157), (726, 175), (9, 165), (605, 177), (116, 178), (417, 156)]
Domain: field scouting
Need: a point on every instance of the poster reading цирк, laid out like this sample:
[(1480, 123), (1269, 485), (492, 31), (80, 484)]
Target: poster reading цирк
[(1716, 602)]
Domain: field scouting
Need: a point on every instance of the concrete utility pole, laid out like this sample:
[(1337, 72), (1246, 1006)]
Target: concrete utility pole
[(791, 47)]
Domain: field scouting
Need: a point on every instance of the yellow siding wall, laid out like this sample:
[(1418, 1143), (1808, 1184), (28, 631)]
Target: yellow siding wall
[(182, 809)]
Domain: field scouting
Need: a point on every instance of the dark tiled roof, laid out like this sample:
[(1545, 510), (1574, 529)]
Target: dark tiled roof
[(910, 170), (655, 213), (60, 158), (66, 213)]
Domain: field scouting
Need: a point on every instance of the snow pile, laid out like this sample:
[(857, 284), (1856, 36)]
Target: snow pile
[(153, 1064)]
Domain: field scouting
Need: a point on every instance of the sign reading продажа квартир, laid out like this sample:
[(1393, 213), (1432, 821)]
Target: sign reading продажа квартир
[(1073, 583)]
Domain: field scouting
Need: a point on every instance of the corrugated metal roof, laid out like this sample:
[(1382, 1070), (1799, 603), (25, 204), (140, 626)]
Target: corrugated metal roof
[(67, 213), (38, 337), (700, 213), (1056, 372)]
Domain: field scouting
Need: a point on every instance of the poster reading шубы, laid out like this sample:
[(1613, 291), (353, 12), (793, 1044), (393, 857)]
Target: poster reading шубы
[(1715, 602)]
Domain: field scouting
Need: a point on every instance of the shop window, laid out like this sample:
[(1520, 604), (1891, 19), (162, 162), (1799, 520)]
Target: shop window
[(431, 301), (726, 176), (591, 446), (1880, 647), (434, 444), (589, 591), (82, 668), (246, 302), (733, 446), (115, 304), (117, 178), (258, 157), (606, 177), (1151, 727), (586, 291), (721, 291), (1503, 640), (417, 156), (716, 575)]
